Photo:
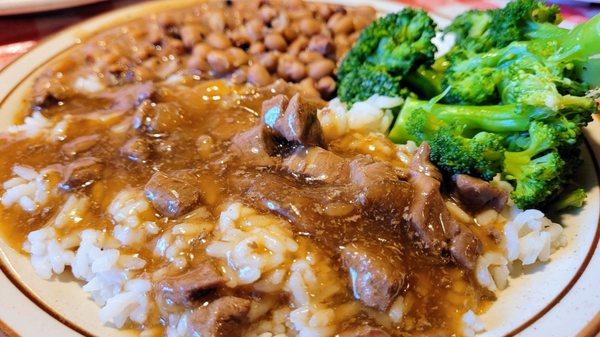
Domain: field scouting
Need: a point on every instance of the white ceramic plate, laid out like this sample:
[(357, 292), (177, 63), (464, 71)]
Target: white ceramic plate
[(9, 7), (557, 299)]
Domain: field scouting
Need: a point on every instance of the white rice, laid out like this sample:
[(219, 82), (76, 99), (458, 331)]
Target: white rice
[(29, 189), (254, 246), (128, 211), (48, 255), (173, 243), (33, 126), (527, 237), (471, 324), (132, 303), (108, 273), (372, 115), (89, 83)]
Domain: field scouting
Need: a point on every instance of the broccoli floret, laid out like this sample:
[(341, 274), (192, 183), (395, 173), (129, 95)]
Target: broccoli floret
[(471, 30), (520, 20), (523, 72), (472, 87), (366, 81), (478, 155), (537, 171), (390, 47), (463, 139), (572, 199)]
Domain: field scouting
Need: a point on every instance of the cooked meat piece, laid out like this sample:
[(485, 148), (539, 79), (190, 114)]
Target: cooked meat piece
[(364, 331), (187, 288), (80, 144), (127, 97), (428, 216), (380, 188), (81, 173), (377, 276), (173, 194), (49, 89), (465, 247), (253, 147), (477, 194), (137, 149), (158, 118), (294, 121), (315, 163), (223, 317), (431, 221)]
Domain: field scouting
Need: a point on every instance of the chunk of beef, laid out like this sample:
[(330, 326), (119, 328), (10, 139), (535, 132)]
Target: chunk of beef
[(137, 149), (81, 173), (379, 188), (431, 221), (477, 194), (223, 317), (315, 163), (294, 121), (377, 276), (465, 247), (187, 288), (173, 194), (158, 119), (80, 145), (364, 331), (253, 147)]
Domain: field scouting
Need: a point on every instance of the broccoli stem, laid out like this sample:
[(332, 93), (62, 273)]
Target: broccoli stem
[(425, 82), (491, 118)]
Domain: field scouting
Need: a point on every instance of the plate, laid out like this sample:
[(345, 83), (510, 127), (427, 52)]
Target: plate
[(9, 7), (556, 299)]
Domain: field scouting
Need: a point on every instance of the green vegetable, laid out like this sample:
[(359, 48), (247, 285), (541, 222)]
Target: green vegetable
[(537, 171), (464, 139), (520, 20), (509, 98), (385, 52), (573, 199)]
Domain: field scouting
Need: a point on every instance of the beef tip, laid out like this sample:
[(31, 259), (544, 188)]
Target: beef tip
[(315, 163), (253, 147), (187, 288), (158, 118), (79, 145), (173, 194), (127, 97), (364, 331), (137, 149), (49, 88), (377, 276), (380, 188), (223, 317), (477, 194), (294, 121), (429, 218), (465, 247), (81, 173)]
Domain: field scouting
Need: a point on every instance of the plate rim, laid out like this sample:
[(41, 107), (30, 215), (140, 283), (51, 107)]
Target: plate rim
[(590, 329), (18, 7)]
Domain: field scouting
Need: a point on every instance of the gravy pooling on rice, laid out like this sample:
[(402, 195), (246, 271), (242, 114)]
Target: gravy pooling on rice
[(220, 208)]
